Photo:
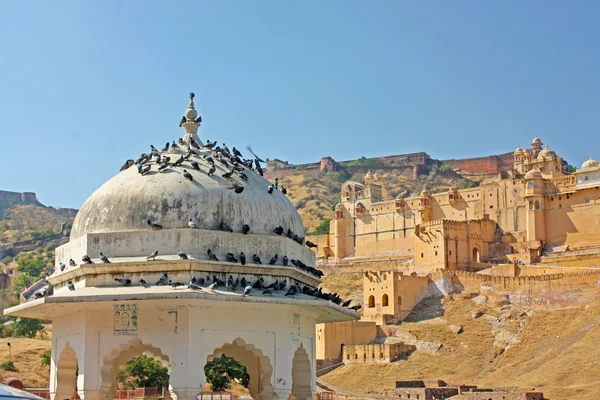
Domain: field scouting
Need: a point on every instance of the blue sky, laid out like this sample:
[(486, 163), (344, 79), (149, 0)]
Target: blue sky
[(86, 85)]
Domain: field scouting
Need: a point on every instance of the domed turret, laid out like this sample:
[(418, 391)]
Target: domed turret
[(591, 163), (368, 176), (546, 154), (536, 142), (518, 151), (533, 174)]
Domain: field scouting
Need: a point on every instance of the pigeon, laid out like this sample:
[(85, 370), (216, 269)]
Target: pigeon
[(278, 230), (154, 226), (174, 146), (209, 159), (236, 152), (231, 258), (175, 284), (162, 280), (227, 174), (258, 284), (282, 285), (347, 303), (256, 259), (195, 165), (233, 284), (154, 150), (86, 259), (255, 156), (182, 255), (290, 234), (152, 256), (166, 148), (192, 224), (268, 291), (62, 267), (274, 260), (72, 262), (127, 164), (310, 244), (247, 290), (71, 286), (276, 183), (198, 120), (124, 281), (142, 282), (237, 188), (38, 295), (224, 227), (211, 170), (179, 161), (245, 229), (212, 286), (291, 291), (187, 175), (194, 286), (285, 261), (194, 144), (104, 259), (163, 166), (270, 189), (144, 169), (244, 176), (283, 189), (242, 258), (211, 255), (356, 308), (183, 121)]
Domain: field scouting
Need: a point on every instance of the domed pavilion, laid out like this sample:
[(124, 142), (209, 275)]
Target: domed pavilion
[(151, 285)]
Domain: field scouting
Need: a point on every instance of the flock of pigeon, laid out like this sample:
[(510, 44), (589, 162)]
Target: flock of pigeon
[(235, 165)]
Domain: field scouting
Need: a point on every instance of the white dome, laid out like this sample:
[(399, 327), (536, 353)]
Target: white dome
[(128, 200), (591, 163)]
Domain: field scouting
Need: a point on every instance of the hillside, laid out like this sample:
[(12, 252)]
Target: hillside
[(25, 354), (315, 193), (552, 351)]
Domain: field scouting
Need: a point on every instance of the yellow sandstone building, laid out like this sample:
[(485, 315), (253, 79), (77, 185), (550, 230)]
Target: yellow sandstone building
[(413, 247), (535, 207)]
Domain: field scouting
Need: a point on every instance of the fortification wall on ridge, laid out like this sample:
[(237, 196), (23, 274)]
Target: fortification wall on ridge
[(489, 164)]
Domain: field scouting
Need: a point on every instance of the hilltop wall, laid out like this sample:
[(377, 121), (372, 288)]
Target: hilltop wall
[(9, 199), (488, 165)]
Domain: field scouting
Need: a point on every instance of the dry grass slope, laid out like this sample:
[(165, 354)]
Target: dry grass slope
[(556, 353), (26, 357)]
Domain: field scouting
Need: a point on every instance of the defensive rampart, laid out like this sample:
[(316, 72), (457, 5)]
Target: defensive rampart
[(487, 165)]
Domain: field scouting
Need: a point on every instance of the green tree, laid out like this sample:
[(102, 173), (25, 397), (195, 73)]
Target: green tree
[(30, 265), (45, 358), (143, 372), (222, 370), (444, 167), (322, 228), (27, 327), (20, 283), (8, 366), (571, 168)]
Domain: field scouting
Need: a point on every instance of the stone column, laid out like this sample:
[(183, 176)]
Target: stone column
[(281, 394), (185, 393)]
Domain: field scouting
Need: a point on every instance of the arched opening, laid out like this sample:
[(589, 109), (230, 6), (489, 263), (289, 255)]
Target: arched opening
[(536, 205), (371, 301), (384, 300), (66, 374), (119, 357), (400, 302), (475, 254), (258, 366)]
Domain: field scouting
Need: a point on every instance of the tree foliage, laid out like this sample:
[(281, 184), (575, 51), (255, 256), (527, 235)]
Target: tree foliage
[(444, 167), (20, 283), (8, 366), (322, 228), (222, 370), (45, 358), (46, 234), (27, 327), (143, 372), (29, 265)]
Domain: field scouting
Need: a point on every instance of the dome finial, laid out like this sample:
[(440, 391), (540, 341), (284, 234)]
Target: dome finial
[(192, 95), (192, 122)]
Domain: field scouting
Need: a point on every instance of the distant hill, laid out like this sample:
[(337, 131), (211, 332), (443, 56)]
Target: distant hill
[(315, 188)]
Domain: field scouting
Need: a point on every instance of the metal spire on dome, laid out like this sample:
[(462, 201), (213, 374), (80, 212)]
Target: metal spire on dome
[(192, 123)]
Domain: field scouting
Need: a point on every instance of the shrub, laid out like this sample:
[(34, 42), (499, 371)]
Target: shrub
[(444, 168), (143, 372), (222, 370), (8, 366), (322, 228), (45, 358), (469, 185), (30, 265), (6, 331), (26, 327)]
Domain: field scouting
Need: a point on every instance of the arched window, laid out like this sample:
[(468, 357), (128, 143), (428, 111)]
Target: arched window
[(399, 301), (475, 254), (384, 300), (536, 205), (384, 277), (371, 301)]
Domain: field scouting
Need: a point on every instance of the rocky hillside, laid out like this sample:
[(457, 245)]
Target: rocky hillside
[(315, 193)]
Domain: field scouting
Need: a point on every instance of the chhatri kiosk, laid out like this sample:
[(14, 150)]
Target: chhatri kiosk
[(101, 324)]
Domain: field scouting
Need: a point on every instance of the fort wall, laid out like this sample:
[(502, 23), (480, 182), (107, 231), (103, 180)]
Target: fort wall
[(487, 165)]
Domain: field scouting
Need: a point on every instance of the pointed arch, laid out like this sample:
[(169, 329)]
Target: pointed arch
[(66, 373), (257, 365), (301, 374), (119, 356), (385, 300)]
